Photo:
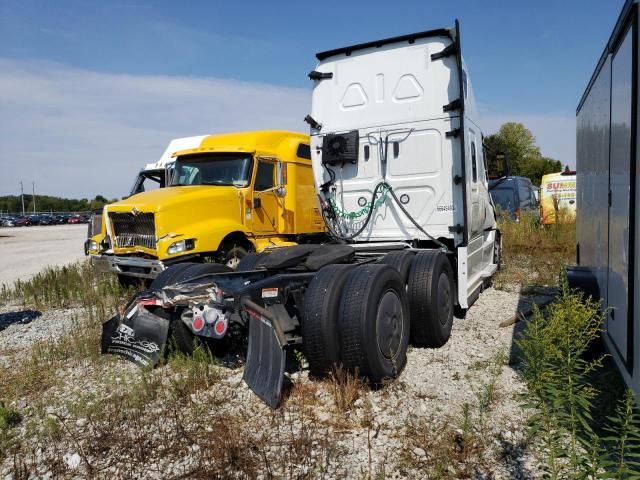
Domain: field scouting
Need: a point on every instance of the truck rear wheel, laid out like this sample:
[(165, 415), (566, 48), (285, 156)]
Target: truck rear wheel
[(431, 293), (234, 256), (401, 261), (373, 322), (320, 317)]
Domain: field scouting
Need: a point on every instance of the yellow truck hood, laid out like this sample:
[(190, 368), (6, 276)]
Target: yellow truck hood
[(164, 199), (193, 212)]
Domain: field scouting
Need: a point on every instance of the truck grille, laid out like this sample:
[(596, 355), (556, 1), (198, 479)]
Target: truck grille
[(134, 230)]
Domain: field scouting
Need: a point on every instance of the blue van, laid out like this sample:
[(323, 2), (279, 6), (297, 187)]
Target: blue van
[(513, 195)]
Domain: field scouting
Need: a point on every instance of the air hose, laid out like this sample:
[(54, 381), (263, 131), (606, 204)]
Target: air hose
[(373, 205)]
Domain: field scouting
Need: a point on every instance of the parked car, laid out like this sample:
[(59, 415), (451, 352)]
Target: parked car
[(23, 222), (8, 221), (75, 219), (513, 195), (47, 220)]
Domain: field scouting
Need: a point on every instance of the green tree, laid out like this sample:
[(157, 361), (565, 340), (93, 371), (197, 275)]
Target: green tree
[(519, 145)]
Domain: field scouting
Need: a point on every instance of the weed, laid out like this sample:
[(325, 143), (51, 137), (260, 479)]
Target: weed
[(561, 393), (345, 388)]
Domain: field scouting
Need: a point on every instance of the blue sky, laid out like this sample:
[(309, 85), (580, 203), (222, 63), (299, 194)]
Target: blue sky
[(91, 83)]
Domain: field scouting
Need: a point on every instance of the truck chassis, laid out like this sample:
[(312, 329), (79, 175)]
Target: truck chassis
[(342, 306)]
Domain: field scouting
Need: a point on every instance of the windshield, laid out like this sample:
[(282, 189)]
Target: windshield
[(212, 169), (505, 198)]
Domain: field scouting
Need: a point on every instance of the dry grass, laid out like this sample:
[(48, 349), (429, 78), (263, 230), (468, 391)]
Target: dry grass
[(534, 253), (346, 388)]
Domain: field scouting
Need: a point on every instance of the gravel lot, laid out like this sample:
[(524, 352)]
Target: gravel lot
[(370, 437), (390, 432), (26, 251)]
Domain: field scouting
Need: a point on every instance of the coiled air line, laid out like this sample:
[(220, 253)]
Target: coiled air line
[(374, 204)]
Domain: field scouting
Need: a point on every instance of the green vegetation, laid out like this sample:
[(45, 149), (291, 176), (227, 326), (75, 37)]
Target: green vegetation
[(519, 145), (77, 284), (47, 203), (584, 423)]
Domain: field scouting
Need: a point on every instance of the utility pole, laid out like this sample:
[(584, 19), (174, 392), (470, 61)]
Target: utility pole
[(22, 196), (33, 187)]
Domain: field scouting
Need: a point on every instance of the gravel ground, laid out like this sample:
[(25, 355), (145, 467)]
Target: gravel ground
[(372, 436), (26, 251)]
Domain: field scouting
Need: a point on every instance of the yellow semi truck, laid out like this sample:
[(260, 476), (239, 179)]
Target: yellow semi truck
[(234, 193)]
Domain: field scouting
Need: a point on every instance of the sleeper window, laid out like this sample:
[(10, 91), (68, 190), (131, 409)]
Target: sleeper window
[(474, 162)]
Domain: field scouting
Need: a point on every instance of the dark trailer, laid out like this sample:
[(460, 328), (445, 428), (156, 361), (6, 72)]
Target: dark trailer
[(607, 149)]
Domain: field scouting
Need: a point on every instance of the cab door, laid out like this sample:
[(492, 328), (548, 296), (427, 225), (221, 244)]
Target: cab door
[(265, 201)]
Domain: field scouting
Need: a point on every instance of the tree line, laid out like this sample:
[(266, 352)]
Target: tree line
[(47, 203), (519, 146)]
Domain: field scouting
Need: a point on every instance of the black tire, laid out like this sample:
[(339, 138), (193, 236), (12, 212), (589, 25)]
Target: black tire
[(401, 261), (373, 322), (183, 338), (497, 250), (320, 318), (167, 276), (248, 263), (232, 257), (127, 281), (431, 294)]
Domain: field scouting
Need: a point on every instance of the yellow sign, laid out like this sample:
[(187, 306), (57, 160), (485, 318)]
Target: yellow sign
[(558, 198)]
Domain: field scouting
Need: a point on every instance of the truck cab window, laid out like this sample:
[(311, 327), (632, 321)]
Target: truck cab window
[(474, 162), (212, 169), (264, 176)]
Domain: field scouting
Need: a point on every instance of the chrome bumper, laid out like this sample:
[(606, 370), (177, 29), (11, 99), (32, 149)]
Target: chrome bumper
[(129, 266)]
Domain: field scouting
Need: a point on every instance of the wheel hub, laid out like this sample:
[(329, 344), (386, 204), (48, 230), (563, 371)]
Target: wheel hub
[(389, 324), (444, 298)]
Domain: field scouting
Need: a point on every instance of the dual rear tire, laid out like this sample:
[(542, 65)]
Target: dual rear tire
[(363, 317)]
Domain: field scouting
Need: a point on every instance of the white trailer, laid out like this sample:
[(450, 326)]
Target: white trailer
[(607, 218), (400, 171)]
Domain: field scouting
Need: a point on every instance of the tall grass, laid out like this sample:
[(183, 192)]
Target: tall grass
[(533, 252), (74, 285)]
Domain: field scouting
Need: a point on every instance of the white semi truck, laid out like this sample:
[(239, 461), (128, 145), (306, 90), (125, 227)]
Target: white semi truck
[(607, 186), (400, 171)]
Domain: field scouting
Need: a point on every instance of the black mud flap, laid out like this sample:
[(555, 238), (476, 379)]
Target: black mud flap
[(264, 371), (139, 337)]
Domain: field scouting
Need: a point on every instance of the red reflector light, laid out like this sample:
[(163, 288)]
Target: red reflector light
[(148, 301), (220, 327), (198, 324)]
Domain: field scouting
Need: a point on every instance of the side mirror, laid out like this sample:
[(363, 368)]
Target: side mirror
[(257, 202), (281, 178)]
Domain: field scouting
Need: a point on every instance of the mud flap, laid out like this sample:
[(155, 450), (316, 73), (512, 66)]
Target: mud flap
[(264, 371), (139, 337)]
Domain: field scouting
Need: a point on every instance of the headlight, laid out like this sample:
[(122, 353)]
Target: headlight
[(181, 246), (93, 246)]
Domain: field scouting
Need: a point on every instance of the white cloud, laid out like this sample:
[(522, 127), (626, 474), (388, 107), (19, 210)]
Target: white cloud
[(555, 132), (78, 133)]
